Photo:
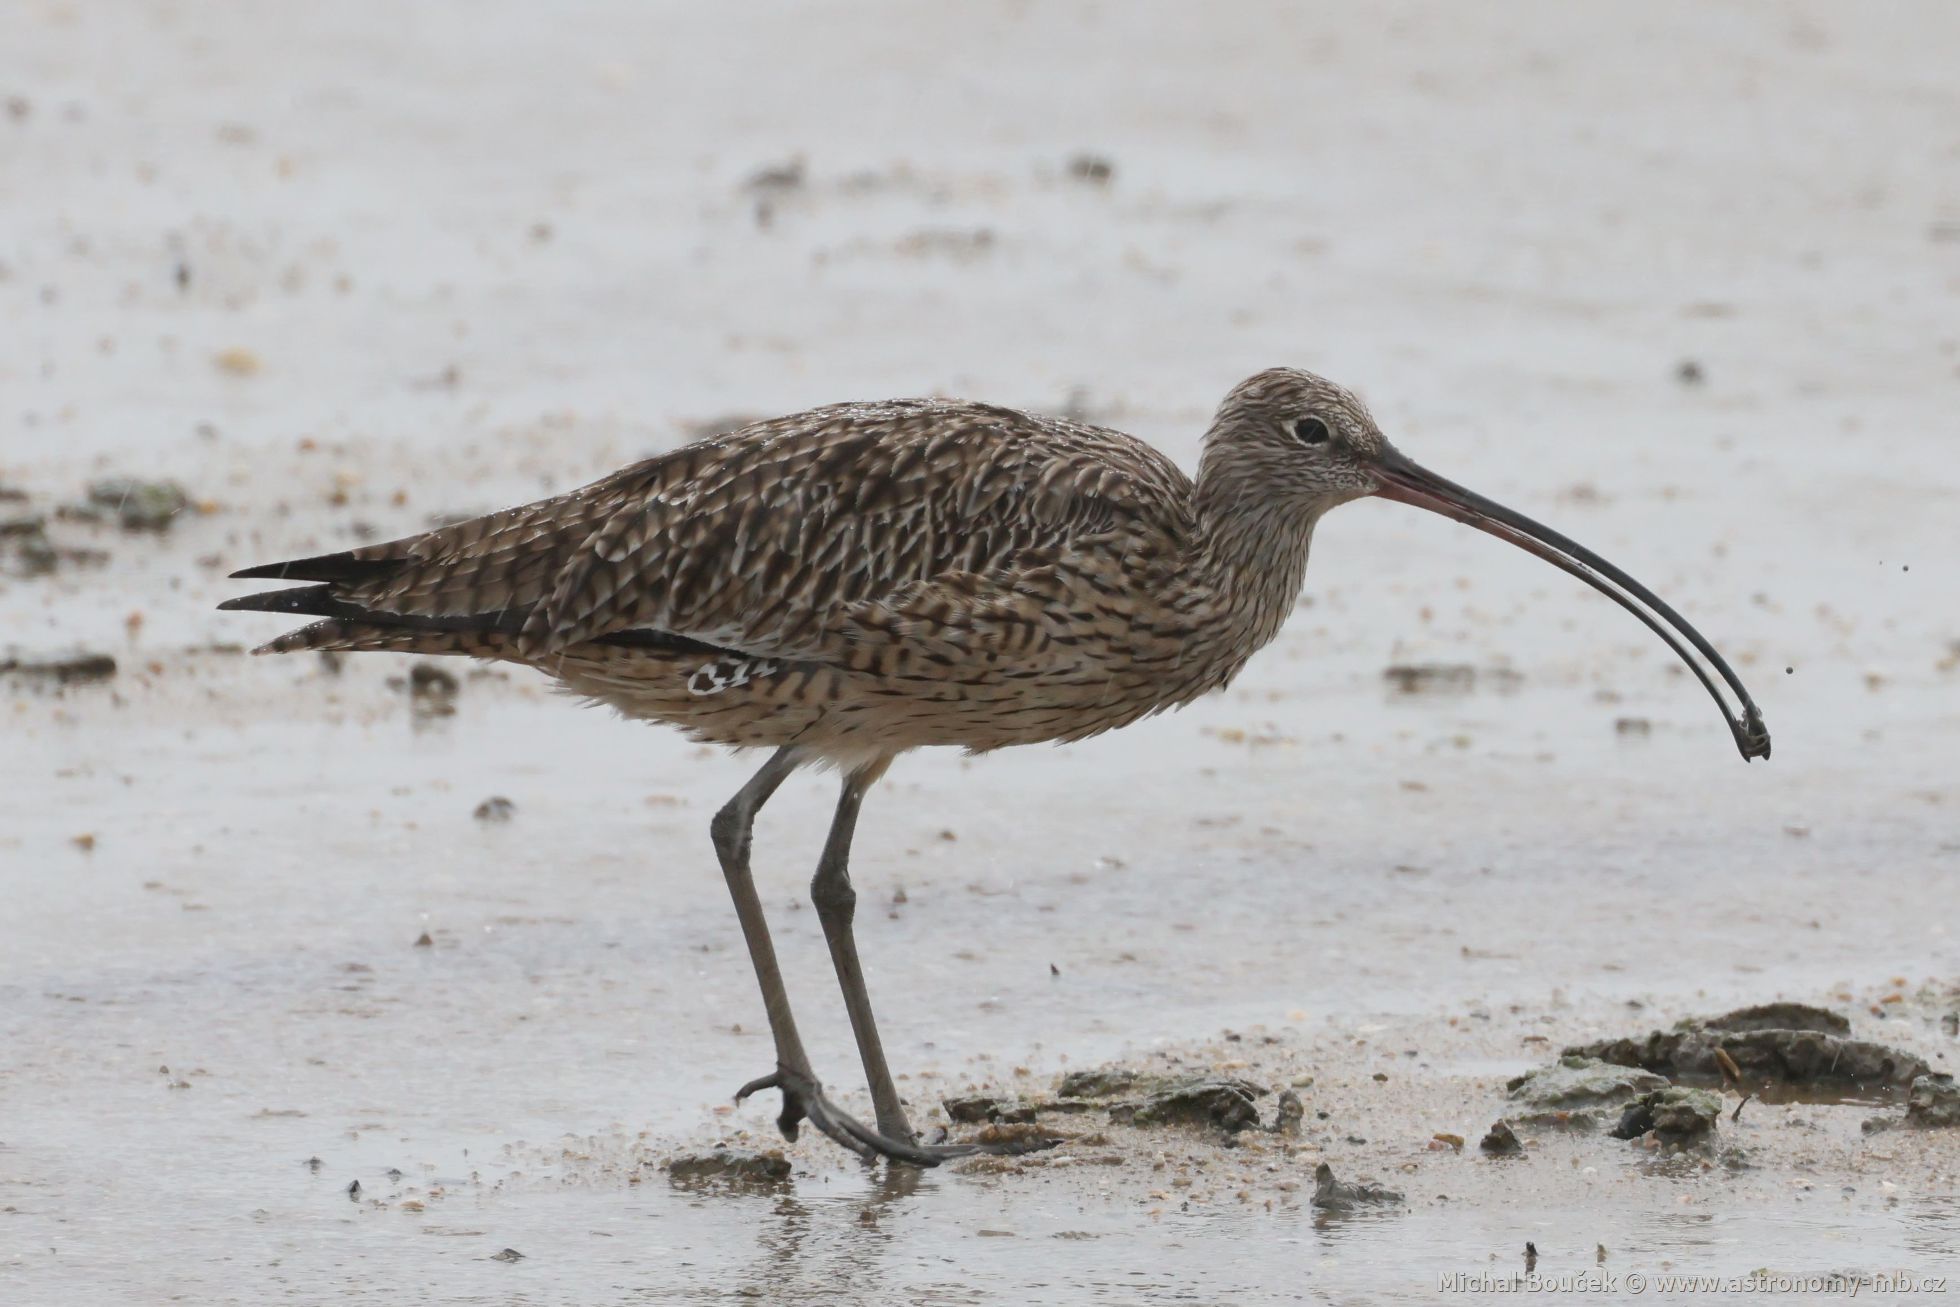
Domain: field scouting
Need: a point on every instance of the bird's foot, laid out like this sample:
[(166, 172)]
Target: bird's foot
[(803, 1100)]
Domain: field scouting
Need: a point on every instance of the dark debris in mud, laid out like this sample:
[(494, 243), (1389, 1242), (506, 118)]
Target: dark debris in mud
[(1448, 678), (1933, 1103), (28, 551), (21, 522), (1095, 169), (1223, 1101), (432, 691), (1770, 1045), (1015, 1138), (139, 505), (1103, 1082), (60, 667), (1290, 1114), (1780, 1016), (1580, 1091), (731, 1167), (1332, 1195), (976, 1109), (1501, 1141), (495, 808), (1126, 1096), (1675, 1115)]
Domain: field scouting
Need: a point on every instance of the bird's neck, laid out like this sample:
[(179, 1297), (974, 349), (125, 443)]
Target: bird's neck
[(1252, 559)]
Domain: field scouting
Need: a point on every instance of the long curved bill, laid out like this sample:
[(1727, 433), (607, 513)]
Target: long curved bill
[(1408, 482)]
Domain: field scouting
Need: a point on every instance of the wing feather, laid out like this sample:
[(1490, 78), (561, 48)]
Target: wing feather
[(766, 540), (801, 537)]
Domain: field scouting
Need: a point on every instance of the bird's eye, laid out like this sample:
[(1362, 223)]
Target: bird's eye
[(1310, 431)]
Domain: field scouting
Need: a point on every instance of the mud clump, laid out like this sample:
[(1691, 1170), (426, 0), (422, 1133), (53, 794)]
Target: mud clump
[(1501, 1141), (1290, 1114), (1771, 1044), (1331, 1195), (432, 691), (16, 522), (34, 554), (1780, 1016), (1137, 1098), (1151, 1100), (1104, 1082), (985, 1109), (1675, 1115), (24, 544), (1576, 1088), (1448, 678), (27, 551), (139, 505), (1015, 1138), (1934, 1102), (1095, 169), (495, 808), (728, 1167), (1223, 1101), (63, 667), (1429, 678)]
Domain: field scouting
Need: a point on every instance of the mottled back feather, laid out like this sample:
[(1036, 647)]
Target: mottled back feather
[(767, 539)]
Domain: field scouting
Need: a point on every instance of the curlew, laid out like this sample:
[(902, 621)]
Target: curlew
[(842, 585)]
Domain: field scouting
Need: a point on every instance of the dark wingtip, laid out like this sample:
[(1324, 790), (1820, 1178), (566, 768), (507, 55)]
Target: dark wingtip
[(323, 567), (250, 603), (317, 600)]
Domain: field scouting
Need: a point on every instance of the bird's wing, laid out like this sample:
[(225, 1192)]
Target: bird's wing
[(781, 539), (770, 539)]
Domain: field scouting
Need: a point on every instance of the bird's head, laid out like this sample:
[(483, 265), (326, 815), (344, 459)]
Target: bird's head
[(1290, 437), (1300, 439)]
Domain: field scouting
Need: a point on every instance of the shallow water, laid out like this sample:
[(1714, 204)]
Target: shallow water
[(907, 1237)]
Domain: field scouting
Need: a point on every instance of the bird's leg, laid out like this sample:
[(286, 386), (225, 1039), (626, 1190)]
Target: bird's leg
[(732, 829), (836, 904), (803, 1097)]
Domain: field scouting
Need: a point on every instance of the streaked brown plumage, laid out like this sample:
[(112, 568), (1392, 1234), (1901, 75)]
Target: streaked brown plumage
[(849, 583)]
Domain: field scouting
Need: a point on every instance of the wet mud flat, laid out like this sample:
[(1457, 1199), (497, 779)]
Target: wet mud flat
[(354, 972), (1288, 1164), (1410, 956), (416, 1000)]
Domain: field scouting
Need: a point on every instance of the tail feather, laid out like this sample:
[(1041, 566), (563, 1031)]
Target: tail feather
[(338, 633), (325, 601), (319, 600), (351, 565), (350, 625)]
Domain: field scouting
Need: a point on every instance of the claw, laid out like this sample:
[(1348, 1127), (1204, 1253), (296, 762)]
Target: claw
[(773, 1080), (793, 1111), (803, 1100)]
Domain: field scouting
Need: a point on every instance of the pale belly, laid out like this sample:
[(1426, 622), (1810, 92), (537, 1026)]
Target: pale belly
[(849, 718)]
